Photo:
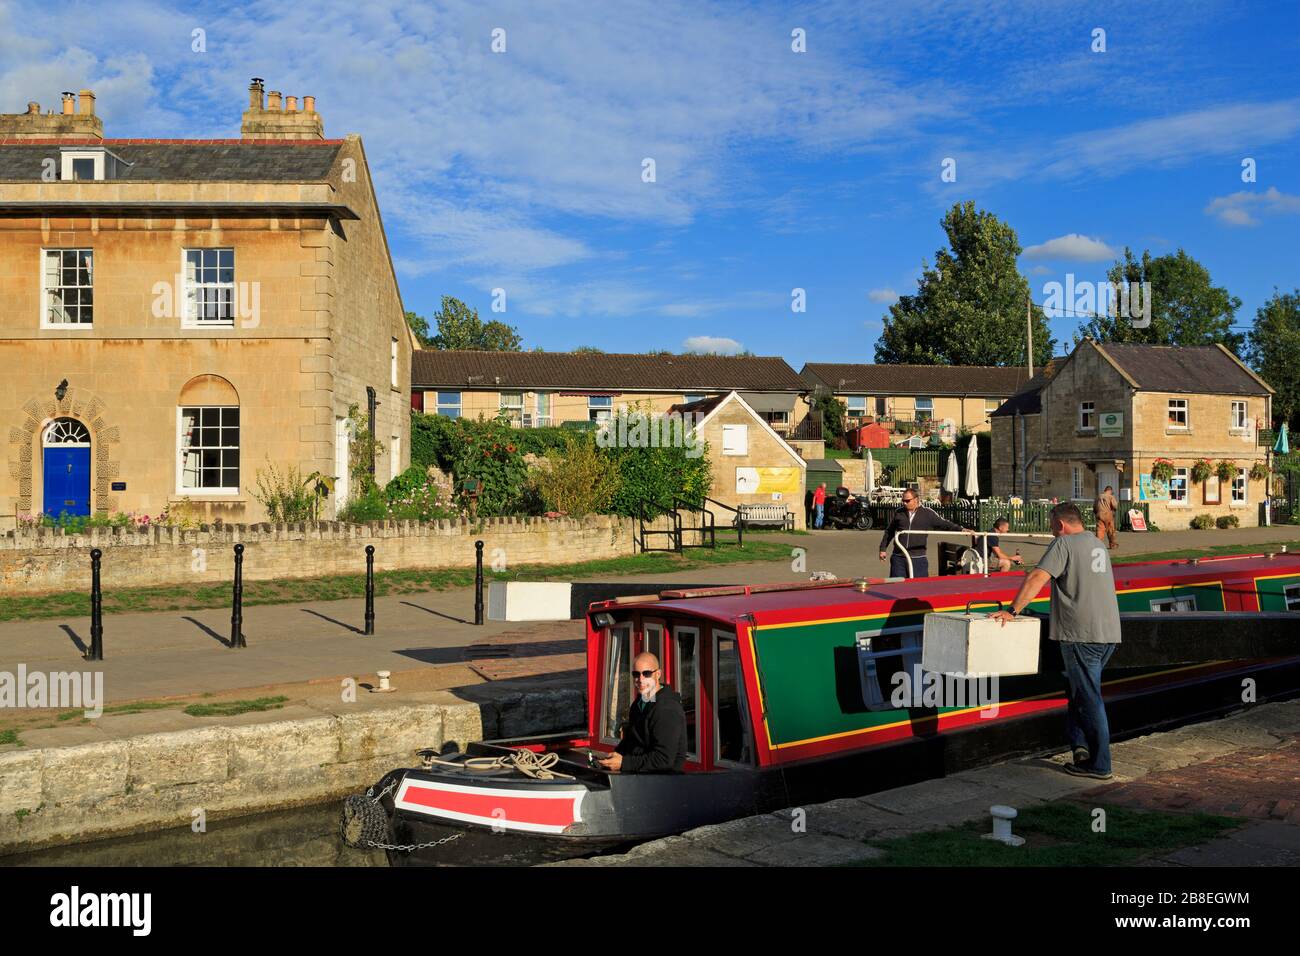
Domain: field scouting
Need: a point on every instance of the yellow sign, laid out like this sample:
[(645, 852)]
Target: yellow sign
[(763, 481)]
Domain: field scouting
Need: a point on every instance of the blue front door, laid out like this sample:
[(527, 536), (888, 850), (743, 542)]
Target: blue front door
[(67, 481)]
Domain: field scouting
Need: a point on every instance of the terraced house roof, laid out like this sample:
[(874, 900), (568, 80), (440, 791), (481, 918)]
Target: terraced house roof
[(230, 160), (551, 370), (975, 380)]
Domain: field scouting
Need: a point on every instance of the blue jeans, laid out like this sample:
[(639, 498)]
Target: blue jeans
[(1085, 714), (898, 565), (821, 511)]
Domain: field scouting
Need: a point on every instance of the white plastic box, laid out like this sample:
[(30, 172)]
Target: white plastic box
[(958, 643), (528, 601)]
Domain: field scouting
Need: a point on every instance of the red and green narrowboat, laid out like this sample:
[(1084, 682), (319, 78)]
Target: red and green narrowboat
[(789, 692)]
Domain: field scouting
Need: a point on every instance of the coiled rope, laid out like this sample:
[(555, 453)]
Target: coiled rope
[(537, 766)]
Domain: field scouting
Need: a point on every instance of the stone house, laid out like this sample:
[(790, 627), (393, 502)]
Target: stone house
[(176, 315), (947, 398), (551, 388), (1104, 414), (751, 463)]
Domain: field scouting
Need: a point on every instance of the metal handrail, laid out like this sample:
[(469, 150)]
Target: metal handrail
[(704, 525), (740, 519), (984, 535)]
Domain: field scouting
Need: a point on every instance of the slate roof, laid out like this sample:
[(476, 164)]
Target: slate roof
[(1028, 401), (431, 368), (180, 161), (975, 380), (1189, 368)]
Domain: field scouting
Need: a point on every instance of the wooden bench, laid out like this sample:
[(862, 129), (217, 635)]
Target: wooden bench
[(778, 515)]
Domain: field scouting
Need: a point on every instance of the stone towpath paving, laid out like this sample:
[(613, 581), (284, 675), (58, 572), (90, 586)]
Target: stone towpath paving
[(1245, 765)]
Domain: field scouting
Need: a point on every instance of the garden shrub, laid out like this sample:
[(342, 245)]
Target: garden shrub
[(1202, 522), (580, 480), (1226, 521)]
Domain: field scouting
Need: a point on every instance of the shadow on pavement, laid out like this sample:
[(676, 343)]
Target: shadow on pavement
[(223, 641)]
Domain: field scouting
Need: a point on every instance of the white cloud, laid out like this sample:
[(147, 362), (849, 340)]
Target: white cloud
[(1072, 248), (886, 296), (1236, 209), (712, 344)]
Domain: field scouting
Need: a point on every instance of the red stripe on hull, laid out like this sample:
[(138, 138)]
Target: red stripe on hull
[(557, 811)]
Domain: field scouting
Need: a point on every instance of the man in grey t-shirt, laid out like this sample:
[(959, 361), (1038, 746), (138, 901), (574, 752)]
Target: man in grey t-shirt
[(1085, 622)]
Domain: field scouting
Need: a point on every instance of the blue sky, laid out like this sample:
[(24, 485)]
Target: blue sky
[(774, 170)]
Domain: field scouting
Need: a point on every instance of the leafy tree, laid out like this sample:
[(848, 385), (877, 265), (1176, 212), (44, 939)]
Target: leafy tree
[(459, 327), (420, 326), (1186, 308), (588, 350), (969, 309), (1273, 350), (833, 412)]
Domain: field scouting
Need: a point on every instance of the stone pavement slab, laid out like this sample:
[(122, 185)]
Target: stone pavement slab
[(850, 818), (815, 849)]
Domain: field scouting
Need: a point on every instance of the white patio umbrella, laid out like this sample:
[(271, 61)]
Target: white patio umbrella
[(871, 472), (972, 469), (950, 476)]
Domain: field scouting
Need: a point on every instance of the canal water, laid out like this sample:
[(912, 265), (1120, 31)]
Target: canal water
[(307, 836)]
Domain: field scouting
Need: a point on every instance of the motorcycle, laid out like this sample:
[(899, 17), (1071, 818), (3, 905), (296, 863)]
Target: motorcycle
[(845, 510)]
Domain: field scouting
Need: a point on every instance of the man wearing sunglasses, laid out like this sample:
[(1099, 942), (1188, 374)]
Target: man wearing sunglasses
[(654, 739), (913, 517)]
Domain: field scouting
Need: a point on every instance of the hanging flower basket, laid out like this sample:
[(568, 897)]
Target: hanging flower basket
[(1162, 470), (1226, 470), (1258, 471), (1202, 469)]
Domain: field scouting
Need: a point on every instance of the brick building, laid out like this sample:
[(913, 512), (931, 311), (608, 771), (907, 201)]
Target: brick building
[(551, 388), (1104, 414), (177, 314), (918, 397)]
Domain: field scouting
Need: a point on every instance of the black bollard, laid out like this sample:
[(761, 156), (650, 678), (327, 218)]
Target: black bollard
[(237, 605), (478, 582), (370, 589), (96, 652)]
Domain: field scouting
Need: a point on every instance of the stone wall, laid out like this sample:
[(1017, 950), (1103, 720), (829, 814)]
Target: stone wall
[(41, 561), (56, 795)]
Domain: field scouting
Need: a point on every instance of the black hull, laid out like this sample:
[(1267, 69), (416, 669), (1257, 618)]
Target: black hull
[(632, 809)]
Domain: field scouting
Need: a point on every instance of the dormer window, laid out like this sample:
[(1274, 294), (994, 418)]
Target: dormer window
[(90, 164), (83, 164)]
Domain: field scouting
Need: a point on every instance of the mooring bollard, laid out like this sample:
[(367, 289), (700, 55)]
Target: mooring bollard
[(370, 589), (96, 652), (237, 604), (478, 582)]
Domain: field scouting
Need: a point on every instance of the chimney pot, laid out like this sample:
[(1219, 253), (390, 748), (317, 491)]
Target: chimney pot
[(291, 104), (309, 104), (273, 100), (69, 100), (86, 102), (255, 91)]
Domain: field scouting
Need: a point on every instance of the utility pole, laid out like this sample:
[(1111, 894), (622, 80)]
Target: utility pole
[(1029, 327)]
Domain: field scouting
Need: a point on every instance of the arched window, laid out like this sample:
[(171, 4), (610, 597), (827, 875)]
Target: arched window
[(66, 431), (208, 437)]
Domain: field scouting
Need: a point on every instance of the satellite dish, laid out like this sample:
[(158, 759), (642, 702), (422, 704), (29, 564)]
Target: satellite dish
[(970, 562)]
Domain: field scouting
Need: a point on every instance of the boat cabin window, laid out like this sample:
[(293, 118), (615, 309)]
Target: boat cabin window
[(654, 641), (1292, 594), (618, 680), (1176, 604), (730, 715), (686, 681)]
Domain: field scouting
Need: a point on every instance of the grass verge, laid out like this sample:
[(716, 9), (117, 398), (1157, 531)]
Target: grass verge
[(338, 587), (1213, 551), (1058, 834), (10, 737), (229, 708)]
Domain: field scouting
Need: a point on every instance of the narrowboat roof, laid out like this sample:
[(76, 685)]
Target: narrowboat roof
[(843, 599)]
